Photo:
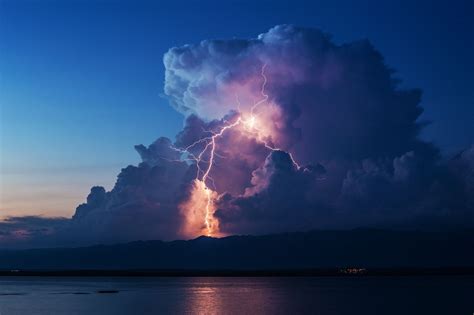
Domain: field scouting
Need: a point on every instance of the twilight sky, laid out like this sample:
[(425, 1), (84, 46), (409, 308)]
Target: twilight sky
[(82, 82)]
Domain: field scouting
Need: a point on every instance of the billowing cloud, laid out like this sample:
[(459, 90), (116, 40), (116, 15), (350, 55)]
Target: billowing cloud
[(336, 106), (275, 202), (288, 131), (326, 101), (143, 203)]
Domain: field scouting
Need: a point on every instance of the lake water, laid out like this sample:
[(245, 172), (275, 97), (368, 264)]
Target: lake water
[(232, 295)]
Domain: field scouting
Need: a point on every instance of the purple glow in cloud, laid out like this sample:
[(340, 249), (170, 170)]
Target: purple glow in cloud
[(338, 111)]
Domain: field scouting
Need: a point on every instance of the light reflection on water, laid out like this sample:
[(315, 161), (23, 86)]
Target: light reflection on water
[(214, 295), (233, 295)]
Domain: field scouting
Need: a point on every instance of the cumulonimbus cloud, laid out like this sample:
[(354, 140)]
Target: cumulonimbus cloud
[(343, 136)]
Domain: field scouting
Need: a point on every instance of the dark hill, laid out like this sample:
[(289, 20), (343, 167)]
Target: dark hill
[(367, 248)]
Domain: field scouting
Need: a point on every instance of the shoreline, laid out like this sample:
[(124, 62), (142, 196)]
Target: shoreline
[(331, 272)]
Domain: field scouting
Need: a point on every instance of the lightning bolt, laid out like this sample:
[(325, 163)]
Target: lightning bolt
[(249, 124)]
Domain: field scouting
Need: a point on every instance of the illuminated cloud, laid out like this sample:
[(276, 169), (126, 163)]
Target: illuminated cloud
[(326, 101), (322, 137)]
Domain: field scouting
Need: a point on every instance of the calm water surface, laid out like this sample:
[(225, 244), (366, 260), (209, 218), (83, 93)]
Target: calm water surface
[(216, 295)]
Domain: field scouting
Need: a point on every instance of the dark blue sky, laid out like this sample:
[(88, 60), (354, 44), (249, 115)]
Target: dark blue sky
[(81, 80)]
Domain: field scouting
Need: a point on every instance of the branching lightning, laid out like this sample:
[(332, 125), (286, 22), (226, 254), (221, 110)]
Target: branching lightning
[(249, 122)]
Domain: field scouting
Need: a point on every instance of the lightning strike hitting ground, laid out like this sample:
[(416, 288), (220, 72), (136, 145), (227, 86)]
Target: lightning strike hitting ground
[(201, 190)]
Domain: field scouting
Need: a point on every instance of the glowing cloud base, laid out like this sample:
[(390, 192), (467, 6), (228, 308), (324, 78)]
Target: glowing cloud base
[(200, 207)]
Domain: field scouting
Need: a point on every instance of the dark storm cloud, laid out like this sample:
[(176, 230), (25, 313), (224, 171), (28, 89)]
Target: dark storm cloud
[(338, 109), (340, 106), (275, 202), (407, 191), (143, 203)]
